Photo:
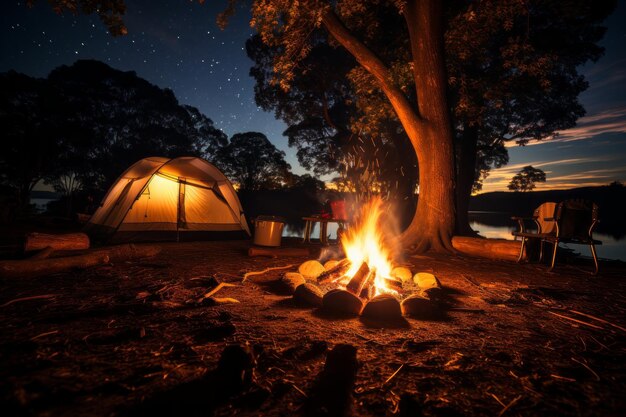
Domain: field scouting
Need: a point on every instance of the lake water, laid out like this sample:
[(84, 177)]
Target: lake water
[(497, 226), (41, 203)]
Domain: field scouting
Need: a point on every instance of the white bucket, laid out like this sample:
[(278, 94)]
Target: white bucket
[(268, 230)]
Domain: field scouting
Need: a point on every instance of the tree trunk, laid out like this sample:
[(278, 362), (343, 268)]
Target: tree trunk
[(428, 128), (433, 224), (465, 152)]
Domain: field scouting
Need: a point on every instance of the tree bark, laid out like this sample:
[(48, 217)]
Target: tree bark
[(433, 224), (465, 153), (429, 128)]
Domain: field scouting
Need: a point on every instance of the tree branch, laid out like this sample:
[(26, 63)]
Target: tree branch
[(326, 114), (372, 64)]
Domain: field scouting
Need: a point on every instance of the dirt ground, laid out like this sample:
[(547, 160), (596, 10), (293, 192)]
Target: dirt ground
[(132, 339)]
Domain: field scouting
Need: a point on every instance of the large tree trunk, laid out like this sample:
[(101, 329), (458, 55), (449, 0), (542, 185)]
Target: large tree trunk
[(433, 224), (428, 128), (465, 152)]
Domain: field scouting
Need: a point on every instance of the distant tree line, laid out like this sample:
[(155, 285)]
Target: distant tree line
[(83, 125)]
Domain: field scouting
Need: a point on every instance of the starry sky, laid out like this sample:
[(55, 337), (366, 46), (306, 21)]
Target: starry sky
[(176, 44)]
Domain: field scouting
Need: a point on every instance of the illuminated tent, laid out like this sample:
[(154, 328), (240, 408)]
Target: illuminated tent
[(160, 198)]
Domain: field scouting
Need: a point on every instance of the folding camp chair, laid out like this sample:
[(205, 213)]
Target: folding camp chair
[(574, 222), (544, 227)]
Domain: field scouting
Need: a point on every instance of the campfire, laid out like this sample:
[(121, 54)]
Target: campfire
[(368, 264), (366, 281)]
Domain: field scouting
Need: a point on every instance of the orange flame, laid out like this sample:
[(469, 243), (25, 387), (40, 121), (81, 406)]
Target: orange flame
[(364, 241)]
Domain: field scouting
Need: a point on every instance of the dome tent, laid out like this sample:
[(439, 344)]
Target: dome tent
[(160, 198)]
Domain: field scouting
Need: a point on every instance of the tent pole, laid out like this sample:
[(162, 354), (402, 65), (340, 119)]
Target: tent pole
[(181, 217), (178, 214)]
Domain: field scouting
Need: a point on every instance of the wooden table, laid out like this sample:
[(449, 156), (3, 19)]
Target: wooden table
[(310, 223)]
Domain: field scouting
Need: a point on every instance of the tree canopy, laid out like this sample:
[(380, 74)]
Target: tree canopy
[(89, 122), (526, 179), (253, 162), (511, 77)]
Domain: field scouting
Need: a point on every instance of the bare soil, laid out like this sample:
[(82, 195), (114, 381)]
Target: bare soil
[(132, 339)]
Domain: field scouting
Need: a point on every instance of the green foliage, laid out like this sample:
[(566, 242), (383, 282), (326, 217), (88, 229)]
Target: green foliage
[(252, 162), (526, 179)]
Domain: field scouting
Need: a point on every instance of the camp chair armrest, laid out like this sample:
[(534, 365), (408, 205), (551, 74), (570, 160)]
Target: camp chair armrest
[(549, 219), (520, 222)]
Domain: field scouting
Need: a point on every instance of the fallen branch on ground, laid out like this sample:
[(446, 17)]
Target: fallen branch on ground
[(576, 320), (216, 289), (252, 273), (598, 319), (34, 297)]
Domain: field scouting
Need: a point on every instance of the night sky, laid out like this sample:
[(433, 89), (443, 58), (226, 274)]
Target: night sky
[(176, 44)]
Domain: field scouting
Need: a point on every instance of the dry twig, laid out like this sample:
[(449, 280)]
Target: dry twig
[(588, 368), (216, 289), (509, 405), (44, 334), (34, 297), (563, 378), (598, 319), (249, 274), (393, 375), (576, 320)]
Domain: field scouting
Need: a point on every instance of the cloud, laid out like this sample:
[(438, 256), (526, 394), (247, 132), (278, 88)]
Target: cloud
[(500, 178), (609, 121)]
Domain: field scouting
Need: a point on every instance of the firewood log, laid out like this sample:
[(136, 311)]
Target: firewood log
[(67, 241), (335, 272), (359, 279), (29, 268), (393, 284), (368, 291)]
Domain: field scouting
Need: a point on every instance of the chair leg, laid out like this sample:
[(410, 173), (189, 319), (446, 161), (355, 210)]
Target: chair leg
[(595, 258), (521, 251), (307, 232), (556, 246), (323, 231), (541, 250)]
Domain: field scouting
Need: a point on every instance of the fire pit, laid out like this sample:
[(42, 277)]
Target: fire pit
[(366, 281)]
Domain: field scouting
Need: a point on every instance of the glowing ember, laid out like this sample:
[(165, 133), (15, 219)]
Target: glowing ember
[(364, 241)]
